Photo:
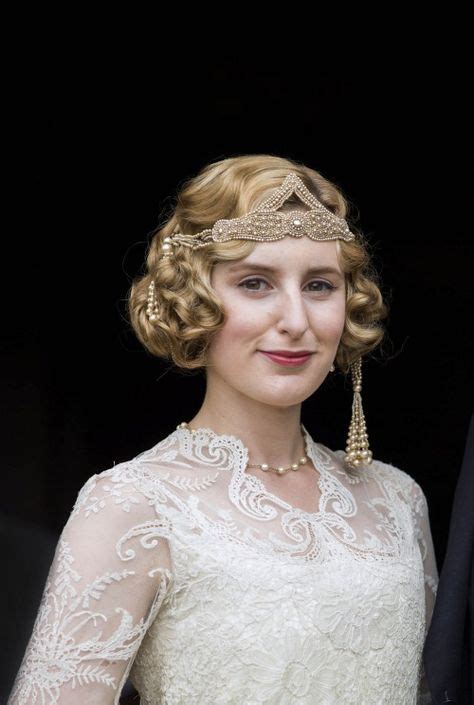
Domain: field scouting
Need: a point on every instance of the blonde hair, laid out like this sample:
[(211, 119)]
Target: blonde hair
[(189, 308)]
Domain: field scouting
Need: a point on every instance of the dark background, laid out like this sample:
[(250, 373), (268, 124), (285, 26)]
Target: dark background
[(98, 151)]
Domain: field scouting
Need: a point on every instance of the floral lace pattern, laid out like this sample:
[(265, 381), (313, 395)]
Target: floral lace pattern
[(182, 571)]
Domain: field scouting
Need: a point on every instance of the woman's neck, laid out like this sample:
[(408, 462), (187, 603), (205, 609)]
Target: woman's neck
[(271, 434)]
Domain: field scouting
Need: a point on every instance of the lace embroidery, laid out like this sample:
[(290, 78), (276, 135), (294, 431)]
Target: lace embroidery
[(181, 570)]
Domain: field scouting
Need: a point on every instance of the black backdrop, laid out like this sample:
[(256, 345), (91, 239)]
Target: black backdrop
[(97, 154)]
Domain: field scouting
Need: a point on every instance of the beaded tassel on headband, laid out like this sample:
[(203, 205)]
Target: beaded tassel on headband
[(152, 305)]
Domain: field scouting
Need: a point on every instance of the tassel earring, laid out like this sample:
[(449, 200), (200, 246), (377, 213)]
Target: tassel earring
[(357, 445)]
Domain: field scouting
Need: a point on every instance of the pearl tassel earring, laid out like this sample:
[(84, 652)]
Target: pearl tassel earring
[(357, 445)]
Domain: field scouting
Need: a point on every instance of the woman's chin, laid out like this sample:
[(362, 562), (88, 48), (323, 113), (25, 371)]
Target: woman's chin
[(283, 395)]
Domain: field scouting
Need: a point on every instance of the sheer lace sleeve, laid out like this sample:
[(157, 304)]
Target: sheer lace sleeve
[(425, 542), (107, 580)]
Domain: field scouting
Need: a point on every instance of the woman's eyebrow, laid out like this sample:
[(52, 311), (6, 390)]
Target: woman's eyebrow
[(322, 269)]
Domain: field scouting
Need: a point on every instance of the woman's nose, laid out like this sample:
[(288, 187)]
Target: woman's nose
[(293, 316)]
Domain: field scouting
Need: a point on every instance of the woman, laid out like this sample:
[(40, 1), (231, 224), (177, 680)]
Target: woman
[(238, 560)]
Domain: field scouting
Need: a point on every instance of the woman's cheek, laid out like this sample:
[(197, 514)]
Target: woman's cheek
[(330, 318), (244, 320)]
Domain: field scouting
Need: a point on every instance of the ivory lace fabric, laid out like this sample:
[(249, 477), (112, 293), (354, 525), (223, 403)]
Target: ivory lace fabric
[(181, 570)]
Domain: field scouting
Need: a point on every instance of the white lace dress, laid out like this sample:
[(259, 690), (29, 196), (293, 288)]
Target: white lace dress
[(181, 569)]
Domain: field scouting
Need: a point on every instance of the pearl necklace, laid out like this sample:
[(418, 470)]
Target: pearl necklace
[(280, 469)]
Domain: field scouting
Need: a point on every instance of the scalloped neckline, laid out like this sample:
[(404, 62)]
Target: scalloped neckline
[(311, 450), (209, 431), (205, 429)]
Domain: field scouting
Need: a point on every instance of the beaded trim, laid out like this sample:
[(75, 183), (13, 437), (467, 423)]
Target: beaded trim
[(265, 224)]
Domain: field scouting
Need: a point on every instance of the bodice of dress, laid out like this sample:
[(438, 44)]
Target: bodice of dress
[(181, 570)]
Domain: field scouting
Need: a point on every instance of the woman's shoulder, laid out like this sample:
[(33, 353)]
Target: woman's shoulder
[(126, 485), (387, 472), (135, 484), (399, 479)]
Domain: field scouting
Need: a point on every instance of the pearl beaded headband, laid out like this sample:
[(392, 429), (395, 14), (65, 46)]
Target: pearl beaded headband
[(263, 224)]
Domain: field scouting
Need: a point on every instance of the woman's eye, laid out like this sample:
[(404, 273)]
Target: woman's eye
[(328, 286), (251, 281), (253, 285)]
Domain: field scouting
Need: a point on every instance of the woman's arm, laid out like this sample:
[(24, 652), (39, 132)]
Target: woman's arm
[(110, 573), (425, 542)]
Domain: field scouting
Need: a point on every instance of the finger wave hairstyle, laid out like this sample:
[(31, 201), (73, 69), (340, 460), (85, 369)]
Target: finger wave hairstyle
[(189, 309)]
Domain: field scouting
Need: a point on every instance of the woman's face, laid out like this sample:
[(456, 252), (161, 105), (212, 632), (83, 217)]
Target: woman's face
[(287, 295)]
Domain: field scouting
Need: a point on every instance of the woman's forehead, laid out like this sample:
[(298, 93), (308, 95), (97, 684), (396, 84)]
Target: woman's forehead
[(291, 253)]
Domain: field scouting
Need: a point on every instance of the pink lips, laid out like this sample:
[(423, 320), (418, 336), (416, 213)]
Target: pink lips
[(287, 359)]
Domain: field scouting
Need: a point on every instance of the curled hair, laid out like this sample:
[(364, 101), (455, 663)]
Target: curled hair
[(190, 312)]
